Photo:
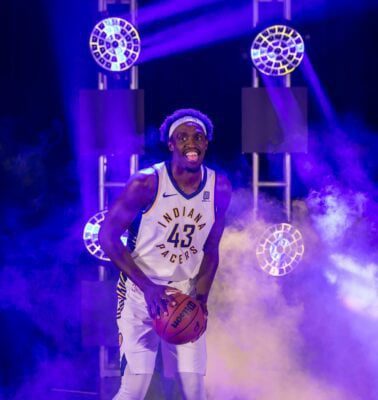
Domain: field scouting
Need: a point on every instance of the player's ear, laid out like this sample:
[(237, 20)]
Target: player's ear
[(170, 145)]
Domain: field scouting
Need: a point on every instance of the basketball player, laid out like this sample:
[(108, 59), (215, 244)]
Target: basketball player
[(175, 214)]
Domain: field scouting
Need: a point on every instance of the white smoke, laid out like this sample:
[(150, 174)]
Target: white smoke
[(334, 212), (254, 343), (356, 283)]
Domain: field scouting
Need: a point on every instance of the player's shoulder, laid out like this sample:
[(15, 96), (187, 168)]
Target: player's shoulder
[(143, 181), (223, 184), (223, 191)]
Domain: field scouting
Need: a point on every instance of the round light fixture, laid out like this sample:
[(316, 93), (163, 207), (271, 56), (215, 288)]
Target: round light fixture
[(90, 236), (280, 249), (277, 50), (115, 44)]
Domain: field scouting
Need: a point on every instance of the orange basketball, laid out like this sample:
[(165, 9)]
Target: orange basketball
[(184, 323)]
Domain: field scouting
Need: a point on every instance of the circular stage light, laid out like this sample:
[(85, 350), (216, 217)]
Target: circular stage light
[(90, 236), (280, 249), (115, 44), (277, 50)]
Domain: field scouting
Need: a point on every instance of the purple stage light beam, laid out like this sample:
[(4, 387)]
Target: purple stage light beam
[(201, 31), (319, 93), (291, 116), (165, 9)]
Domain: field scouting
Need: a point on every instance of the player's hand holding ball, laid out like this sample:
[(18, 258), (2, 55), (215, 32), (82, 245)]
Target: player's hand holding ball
[(183, 322), (157, 298)]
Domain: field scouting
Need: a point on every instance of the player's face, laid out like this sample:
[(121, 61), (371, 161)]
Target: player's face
[(188, 144)]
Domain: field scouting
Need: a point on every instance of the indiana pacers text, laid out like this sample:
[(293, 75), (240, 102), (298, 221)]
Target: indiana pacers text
[(178, 246)]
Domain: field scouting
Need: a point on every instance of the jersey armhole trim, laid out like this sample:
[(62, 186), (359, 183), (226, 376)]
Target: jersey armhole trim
[(157, 190), (215, 195)]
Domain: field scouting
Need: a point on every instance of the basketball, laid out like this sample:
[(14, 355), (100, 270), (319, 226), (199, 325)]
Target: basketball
[(184, 323)]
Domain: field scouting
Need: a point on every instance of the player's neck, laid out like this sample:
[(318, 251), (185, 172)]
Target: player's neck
[(187, 179)]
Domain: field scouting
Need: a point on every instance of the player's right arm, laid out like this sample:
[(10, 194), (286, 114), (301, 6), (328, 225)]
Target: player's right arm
[(138, 194)]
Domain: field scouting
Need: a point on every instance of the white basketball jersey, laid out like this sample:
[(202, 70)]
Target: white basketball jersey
[(166, 240)]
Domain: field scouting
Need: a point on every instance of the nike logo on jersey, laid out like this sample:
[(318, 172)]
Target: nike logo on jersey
[(169, 195)]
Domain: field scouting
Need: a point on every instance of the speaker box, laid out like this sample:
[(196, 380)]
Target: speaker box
[(274, 120), (111, 121)]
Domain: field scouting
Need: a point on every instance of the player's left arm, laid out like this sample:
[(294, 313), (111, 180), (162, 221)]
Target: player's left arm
[(210, 259)]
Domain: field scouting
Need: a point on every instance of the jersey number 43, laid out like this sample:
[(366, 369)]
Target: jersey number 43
[(187, 235)]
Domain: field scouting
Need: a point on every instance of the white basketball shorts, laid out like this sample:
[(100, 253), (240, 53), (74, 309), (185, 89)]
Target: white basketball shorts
[(139, 342)]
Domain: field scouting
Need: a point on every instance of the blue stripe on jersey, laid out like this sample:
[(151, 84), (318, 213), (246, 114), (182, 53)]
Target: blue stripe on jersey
[(120, 307), (133, 232), (172, 179), (121, 294), (215, 195), (156, 192), (123, 364), (134, 227), (121, 286)]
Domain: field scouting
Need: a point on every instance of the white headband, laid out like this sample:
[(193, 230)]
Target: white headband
[(182, 120)]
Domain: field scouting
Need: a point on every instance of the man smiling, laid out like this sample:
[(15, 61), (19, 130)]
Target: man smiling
[(174, 213)]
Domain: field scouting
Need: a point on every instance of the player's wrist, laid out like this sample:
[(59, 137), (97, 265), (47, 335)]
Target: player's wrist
[(147, 286), (201, 297)]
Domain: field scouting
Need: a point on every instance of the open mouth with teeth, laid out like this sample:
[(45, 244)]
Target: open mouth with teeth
[(192, 155)]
